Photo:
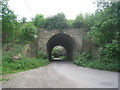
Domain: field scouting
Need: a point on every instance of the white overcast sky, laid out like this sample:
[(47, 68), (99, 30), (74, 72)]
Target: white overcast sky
[(71, 8)]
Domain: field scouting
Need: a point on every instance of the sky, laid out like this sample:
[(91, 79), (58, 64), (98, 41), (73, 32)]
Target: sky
[(71, 8)]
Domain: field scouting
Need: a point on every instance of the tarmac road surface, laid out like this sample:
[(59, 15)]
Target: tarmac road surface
[(61, 74)]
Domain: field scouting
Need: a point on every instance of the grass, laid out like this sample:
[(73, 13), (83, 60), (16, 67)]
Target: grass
[(21, 65), (10, 65)]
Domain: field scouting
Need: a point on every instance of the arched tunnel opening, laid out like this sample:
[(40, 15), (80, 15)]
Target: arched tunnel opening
[(65, 41)]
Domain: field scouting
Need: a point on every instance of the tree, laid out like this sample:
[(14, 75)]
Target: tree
[(101, 5), (79, 21), (9, 22), (70, 23), (23, 20), (58, 21), (106, 25), (39, 21), (105, 31)]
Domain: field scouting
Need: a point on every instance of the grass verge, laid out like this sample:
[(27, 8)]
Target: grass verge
[(12, 66)]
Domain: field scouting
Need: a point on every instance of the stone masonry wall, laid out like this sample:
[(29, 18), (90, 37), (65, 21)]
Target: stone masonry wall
[(45, 35)]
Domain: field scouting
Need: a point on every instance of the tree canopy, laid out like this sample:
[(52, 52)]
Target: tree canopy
[(105, 30), (9, 22), (58, 21)]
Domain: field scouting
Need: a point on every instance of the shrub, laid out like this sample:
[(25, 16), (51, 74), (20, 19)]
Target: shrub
[(39, 21), (112, 51), (80, 60), (29, 31), (84, 60), (41, 55)]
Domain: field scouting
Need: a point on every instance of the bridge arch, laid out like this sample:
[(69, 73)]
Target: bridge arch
[(63, 40)]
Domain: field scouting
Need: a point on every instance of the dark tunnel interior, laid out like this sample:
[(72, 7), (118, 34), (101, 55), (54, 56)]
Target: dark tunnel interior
[(62, 40)]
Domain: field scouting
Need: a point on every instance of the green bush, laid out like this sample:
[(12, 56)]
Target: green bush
[(41, 55), (84, 57), (39, 21), (113, 66), (112, 51), (6, 57), (84, 60), (28, 32)]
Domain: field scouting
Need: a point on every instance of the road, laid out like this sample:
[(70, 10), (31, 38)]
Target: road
[(62, 75)]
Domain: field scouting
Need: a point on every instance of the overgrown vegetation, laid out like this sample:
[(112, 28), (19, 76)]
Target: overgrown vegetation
[(11, 65), (104, 31), (42, 55), (85, 60), (15, 37), (103, 28), (14, 60), (9, 23), (28, 32)]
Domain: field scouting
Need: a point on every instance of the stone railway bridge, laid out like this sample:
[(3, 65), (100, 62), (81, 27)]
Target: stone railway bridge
[(71, 39)]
